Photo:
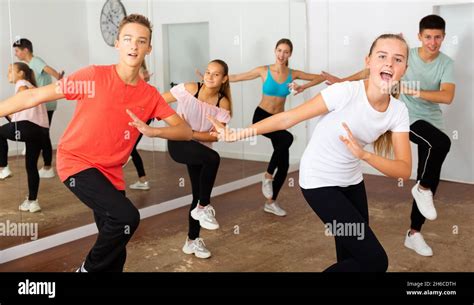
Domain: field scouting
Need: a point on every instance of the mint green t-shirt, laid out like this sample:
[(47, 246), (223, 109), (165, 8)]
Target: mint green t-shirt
[(429, 76), (42, 78)]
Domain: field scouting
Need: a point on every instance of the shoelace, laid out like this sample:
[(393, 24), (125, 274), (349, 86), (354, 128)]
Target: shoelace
[(209, 211), (200, 243), (275, 206)]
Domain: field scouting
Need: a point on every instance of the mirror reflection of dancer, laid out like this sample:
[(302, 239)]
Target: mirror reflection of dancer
[(142, 183), (195, 102), (92, 150), (434, 72), (330, 170), (43, 76), (277, 81), (29, 126)]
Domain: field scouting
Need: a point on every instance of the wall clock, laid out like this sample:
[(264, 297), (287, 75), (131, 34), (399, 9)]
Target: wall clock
[(112, 13)]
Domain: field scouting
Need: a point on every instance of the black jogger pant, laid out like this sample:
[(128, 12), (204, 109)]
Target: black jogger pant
[(136, 158), (115, 216), (433, 147), (47, 146)]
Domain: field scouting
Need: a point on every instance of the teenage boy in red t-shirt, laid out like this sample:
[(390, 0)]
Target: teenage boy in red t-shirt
[(101, 136)]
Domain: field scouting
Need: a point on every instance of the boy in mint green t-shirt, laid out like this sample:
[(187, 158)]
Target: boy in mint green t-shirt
[(432, 72), (43, 73)]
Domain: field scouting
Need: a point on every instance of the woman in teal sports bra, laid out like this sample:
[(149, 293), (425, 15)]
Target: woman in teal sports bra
[(277, 79)]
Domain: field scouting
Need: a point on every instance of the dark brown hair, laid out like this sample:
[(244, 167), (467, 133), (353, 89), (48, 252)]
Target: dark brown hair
[(29, 74), (23, 43), (287, 42), (135, 18)]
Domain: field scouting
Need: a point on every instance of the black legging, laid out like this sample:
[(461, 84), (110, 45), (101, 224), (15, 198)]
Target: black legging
[(281, 141), (34, 137), (348, 205), (433, 147), (47, 146), (136, 158), (203, 163)]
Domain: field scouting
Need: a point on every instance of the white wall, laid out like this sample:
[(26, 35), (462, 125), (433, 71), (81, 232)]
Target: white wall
[(248, 22), (459, 116), (5, 53), (245, 20), (340, 34), (57, 30)]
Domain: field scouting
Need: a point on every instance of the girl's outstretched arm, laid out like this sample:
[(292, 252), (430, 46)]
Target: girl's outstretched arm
[(281, 121)]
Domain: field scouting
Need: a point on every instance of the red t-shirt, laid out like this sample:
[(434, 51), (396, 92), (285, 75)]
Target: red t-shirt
[(98, 135)]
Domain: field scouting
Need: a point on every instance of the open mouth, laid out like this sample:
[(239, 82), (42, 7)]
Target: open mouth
[(133, 55), (386, 75)]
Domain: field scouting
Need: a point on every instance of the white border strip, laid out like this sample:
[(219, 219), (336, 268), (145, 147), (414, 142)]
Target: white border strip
[(55, 240)]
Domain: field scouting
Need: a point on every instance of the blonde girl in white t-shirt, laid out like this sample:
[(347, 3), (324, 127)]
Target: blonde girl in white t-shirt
[(29, 126), (353, 114)]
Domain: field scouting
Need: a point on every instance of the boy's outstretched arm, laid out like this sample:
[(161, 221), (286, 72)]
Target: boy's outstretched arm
[(331, 79), (30, 98)]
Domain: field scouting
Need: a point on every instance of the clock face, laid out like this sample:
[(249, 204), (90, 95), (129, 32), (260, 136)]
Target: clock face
[(112, 13)]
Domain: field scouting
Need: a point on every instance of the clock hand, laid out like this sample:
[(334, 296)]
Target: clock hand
[(111, 21)]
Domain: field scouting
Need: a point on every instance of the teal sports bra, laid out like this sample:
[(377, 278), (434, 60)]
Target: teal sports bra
[(272, 88)]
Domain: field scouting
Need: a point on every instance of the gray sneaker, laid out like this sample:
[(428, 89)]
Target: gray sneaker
[(274, 208), (196, 247)]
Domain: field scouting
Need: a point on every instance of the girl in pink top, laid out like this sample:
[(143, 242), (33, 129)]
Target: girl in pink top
[(195, 102), (29, 126)]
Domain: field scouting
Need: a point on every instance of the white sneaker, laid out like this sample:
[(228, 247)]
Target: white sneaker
[(25, 206), (417, 242), (196, 247), (128, 160), (274, 208), (34, 206), (267, 187), (206, 217), (424, 201), (30, 205), (81, 269), (145, 186), (5, 173), (46, 173)]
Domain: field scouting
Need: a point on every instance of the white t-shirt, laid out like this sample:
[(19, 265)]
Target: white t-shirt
[(37, 115), (326, 160)]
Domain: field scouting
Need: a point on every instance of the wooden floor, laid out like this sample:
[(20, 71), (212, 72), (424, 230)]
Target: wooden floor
[(62, 211), (252, 240)]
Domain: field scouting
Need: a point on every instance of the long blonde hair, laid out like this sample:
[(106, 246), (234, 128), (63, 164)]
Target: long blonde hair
[(225, 87), (383, 146)]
